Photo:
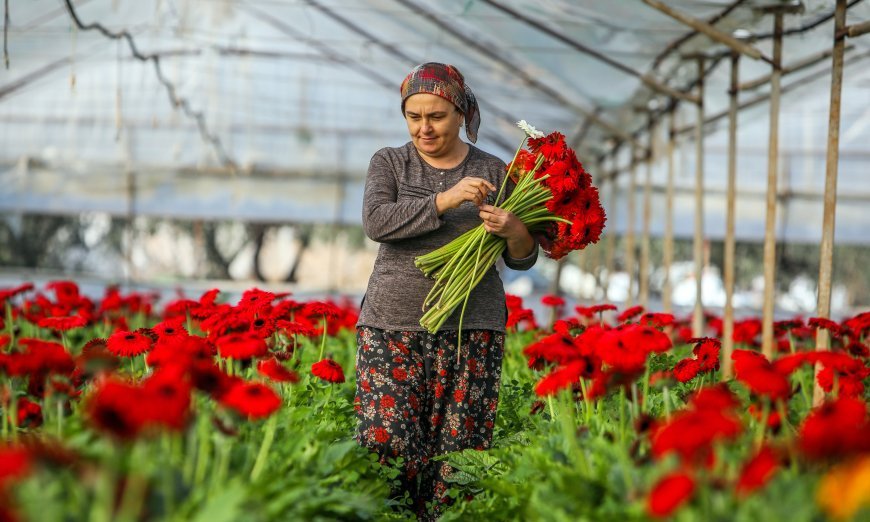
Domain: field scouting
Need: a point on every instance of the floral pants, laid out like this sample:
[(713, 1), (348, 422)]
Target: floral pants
[(415, 400)]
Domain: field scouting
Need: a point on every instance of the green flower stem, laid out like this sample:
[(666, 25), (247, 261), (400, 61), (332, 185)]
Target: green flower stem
[(203, 451), (59, 416), (265, 446), (643, 402), (222, 466), (587, 410), (465, 301), (133, 494), (102, 508), (190, 452), (762, 425), (666, 399), (322, 337), (168, 480)]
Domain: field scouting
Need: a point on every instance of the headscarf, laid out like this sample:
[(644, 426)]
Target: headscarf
[(447, 82)]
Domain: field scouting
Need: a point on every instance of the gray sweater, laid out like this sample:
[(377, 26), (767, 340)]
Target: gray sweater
[(399, 212)]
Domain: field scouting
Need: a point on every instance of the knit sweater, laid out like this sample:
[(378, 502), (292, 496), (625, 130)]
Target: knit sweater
[(399, 212)]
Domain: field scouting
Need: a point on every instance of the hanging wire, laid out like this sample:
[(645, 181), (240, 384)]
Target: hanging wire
[(176, 100), (6, 34)]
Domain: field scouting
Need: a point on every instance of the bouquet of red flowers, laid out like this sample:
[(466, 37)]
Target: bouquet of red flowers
[(555, 199)]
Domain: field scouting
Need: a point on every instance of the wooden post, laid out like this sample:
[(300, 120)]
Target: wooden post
[(833, 154), (668, 247), (610, 247), (644, 268), (698, 243), (767, 311), (629, 227), (728, 263)]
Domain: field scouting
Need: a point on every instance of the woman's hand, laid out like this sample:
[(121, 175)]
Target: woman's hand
[(505, 224), (468, 189)]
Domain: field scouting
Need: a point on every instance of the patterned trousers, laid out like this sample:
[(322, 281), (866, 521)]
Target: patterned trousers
[(415, 401)]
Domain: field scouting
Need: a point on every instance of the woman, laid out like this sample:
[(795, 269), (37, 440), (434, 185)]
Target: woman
[(413, 399)]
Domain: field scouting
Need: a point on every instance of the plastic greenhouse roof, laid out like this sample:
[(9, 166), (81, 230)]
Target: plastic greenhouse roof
[(300, 94)]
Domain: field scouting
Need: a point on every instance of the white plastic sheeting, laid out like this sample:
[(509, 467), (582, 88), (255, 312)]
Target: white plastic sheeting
[(300, 94)]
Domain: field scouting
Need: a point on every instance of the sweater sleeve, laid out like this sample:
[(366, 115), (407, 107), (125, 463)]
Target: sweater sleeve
[(528, 261), (385, 216), (524, 263)]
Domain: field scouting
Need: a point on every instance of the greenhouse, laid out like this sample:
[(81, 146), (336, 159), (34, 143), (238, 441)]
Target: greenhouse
[(259, 262)]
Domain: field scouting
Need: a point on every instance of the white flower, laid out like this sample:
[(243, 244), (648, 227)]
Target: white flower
[(529, 130)]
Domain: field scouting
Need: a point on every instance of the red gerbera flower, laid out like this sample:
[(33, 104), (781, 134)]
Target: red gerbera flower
[(9, 293), (686, 370), (251, 399), (552, 300), (296, 328), (825, 324), (657, 319), (669, 493), (322, 309), (276, 371), (562, 377), (45, 357), (557, 347), (241, 346), (114, 408), (14, 463), (765, 381), (67, 292), (170, 328), (717, 397), (167, 398), (205, 376), (757, 471), (128, 344), (29, 414), (328, 370), (256, 300), (835, 429), (518, 316), (513, 302), (62, 323), (628, 313), (707, 353)]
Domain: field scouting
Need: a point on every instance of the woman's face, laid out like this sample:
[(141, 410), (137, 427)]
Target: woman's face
[(433, 123)]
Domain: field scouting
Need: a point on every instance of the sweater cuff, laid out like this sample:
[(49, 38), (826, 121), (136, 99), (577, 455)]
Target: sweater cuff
[(524, 263)]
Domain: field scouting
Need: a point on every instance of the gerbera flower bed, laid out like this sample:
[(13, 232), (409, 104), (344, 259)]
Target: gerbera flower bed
[(112, 410)]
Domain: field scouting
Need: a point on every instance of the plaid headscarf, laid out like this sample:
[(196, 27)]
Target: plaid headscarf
[(447, 82)]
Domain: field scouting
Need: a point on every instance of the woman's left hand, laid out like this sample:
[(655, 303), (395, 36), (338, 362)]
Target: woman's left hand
[(501, 222)]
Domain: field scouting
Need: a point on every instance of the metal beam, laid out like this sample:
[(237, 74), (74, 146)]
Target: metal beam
[(647, 78), (449, 26), (707, 29), (855, 58)]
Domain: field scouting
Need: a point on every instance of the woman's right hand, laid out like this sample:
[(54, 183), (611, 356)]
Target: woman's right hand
[(468, 189)]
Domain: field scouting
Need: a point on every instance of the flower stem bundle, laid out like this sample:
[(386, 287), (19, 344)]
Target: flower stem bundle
[(553, 197)]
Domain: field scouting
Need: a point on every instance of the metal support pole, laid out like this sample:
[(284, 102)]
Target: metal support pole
[(728, 264), (767, 341), (827, 247), (698, 250), (629, 226), (643, 273), (668, 255)]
